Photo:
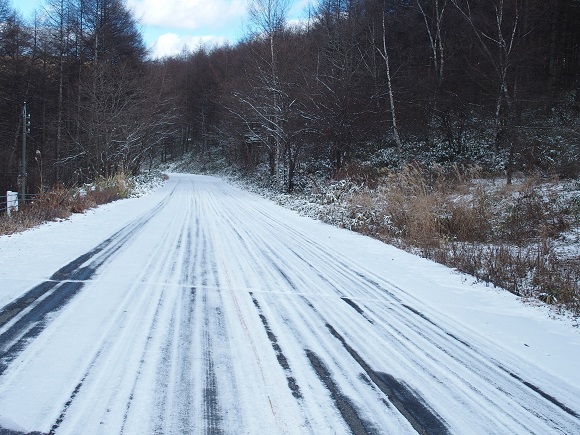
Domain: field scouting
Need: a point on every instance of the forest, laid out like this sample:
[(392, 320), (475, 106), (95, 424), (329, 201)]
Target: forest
[(376, 83)]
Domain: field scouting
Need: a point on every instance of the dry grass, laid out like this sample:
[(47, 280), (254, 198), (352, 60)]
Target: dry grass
[(422, 209), (500, 234), (60, 203)]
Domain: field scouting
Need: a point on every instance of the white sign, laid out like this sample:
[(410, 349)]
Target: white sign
[(11, 202)]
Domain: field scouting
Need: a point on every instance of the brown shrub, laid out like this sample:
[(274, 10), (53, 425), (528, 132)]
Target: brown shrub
[(529, 214), (528, 272), (358, 173), (60, 203), (499, 235)]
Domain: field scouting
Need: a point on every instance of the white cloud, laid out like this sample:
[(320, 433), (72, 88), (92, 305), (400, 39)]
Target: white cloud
[(299, 23), (189, 14), (170, 25), (171, 44), (300, 7)]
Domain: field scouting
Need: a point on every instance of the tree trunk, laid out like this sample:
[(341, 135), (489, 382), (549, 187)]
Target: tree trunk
[(385, 55)]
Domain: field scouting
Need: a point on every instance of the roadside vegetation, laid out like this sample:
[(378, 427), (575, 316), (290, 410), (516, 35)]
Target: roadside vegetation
[(523, 237), (60, 202)]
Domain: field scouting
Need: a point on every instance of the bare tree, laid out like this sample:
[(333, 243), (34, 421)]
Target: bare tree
[(432, 14), (58, 21), (383, 50), (269, 17), (342, 102), (496, 27)]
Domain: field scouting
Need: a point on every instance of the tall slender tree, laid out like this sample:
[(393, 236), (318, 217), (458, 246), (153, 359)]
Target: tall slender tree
[(269, 18)]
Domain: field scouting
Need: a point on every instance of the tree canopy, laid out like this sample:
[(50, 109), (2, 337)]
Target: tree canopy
[(492, 83)]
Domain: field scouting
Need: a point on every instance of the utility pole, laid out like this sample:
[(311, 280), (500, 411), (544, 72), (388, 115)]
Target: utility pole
[(25, 131)]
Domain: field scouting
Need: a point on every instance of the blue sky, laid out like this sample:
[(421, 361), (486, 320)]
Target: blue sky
[(169, 25)]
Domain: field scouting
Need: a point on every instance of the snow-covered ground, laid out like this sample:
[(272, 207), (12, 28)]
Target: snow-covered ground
[(201, 308)]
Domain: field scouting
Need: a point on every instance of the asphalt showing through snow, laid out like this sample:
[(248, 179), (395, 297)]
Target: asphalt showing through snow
[(211, 314)]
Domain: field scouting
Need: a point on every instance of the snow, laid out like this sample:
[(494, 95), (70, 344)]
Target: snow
[(171, 318)]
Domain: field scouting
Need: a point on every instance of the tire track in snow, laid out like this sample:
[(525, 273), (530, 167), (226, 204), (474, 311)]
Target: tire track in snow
[(400, 389), (241, 315), (382, 288), (351, 343), (258, 362), (428, 363), (304, 246), (531, 386), (183, 399), (73, 270), (408, 402), (268, 252), (343, 403), (26, 317), (354, 284), (301, 321), (345, 407), (212, 412), (169, 410), (282, 360), (111, 341), (200, 277), (480, 373)]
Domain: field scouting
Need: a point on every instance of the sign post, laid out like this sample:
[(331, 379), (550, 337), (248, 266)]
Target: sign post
[(25, 131)]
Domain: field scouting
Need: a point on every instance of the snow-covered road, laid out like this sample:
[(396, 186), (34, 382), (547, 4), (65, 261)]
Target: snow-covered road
[(205, 309)]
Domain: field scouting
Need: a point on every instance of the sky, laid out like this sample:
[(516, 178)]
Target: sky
[(170, 25)]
